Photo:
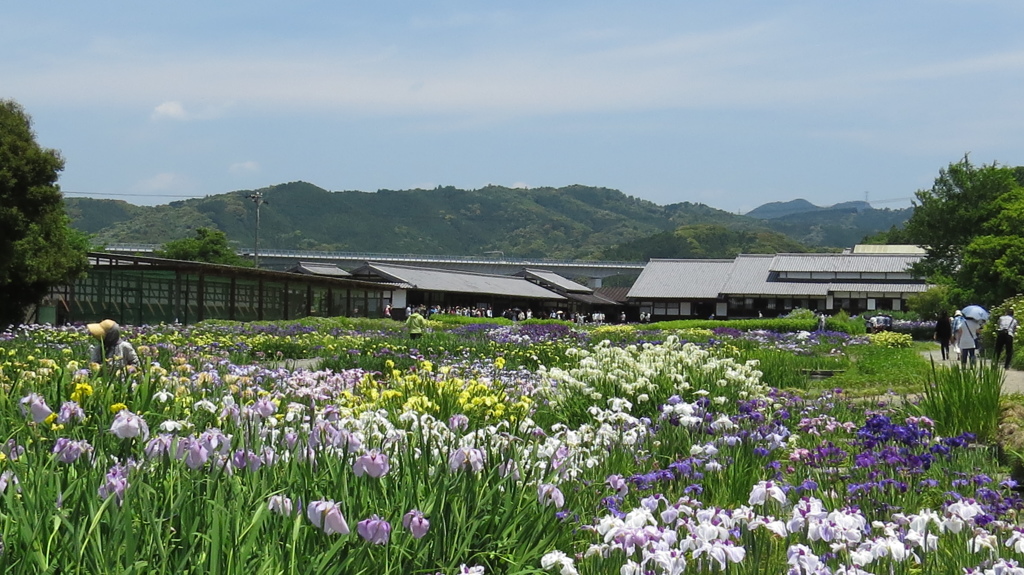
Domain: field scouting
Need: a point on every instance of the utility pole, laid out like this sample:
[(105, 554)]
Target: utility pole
[(257, 198)]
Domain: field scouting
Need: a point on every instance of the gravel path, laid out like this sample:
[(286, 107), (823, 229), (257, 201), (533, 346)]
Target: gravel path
[(1013, 383)]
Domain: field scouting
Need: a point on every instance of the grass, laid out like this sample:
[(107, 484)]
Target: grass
[(877, 370)]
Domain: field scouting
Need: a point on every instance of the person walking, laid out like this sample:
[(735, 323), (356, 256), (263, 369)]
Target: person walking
[(943, 333), (966, 338), (1006, 330), (416, 324)]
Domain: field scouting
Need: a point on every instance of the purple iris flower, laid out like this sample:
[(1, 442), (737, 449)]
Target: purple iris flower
[(416, 523), (374, 464), (326, 516), (193, 451), (159, 446), (116, 483), (466, 457), (70, 410), (246, 459), (68, 451), (126, 424), (618, 483), (549, 494), (33, 404), (458, 422), (280, 504), (375, 530)]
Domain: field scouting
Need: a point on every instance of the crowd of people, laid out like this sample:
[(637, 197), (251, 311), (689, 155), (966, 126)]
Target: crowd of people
[(959, 336), (513, 313)]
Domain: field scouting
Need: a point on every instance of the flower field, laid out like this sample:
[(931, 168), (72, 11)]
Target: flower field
[(341, 447)]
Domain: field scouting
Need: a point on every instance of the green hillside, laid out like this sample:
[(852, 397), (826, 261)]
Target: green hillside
[(705, 241), (574, 222)]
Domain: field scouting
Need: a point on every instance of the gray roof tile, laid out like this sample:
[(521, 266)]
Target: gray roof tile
[(555, 280), (670, 278), (891, 263), (433, 279), (754, 275)]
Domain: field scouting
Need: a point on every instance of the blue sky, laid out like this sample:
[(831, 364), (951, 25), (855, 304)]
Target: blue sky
[(729, 104)]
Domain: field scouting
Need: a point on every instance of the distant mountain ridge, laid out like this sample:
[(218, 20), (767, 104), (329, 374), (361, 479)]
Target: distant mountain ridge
[(572, 222), (774, 210)]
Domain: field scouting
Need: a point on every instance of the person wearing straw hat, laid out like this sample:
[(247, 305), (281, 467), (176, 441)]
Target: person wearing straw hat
[(110, 345)]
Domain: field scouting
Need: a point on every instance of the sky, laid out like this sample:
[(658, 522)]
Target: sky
[(729, 104)]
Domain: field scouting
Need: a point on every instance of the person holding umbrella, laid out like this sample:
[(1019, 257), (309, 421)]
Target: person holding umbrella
[(967, 334)]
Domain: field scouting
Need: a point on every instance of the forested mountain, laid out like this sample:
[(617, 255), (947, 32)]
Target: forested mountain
[(705, 241), (571, 222), (773, 210)]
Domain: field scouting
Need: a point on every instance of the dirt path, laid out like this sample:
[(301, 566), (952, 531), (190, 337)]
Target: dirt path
[(1013, 383)]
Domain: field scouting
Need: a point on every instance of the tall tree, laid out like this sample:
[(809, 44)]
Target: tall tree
[(970, 222), (208, 245), (38, 249)]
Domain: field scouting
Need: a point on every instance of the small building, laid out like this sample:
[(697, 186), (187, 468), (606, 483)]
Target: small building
[(771, 285)]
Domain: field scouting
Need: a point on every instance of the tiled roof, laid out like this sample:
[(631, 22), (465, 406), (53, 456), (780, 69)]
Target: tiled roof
[(613, 293), (554, 279), (670, 278), (433, 279), (877, 263), (591, 298), (320, 269), (758, 275), (887, 249)]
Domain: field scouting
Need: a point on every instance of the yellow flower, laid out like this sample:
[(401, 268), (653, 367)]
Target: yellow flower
[(117, 407), (50, 419), (499, 363), (81, 390)]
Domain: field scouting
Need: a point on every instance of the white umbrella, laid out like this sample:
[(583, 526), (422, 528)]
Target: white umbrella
[(975, 312)]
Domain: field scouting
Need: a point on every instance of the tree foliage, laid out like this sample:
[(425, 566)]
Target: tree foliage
[(210, 246), (972, 224), (38, 248), (703, 241)]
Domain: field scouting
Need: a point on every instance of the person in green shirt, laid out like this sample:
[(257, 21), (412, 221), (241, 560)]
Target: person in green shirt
[(416, 323)]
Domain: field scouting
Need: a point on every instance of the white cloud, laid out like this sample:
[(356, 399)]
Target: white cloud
[(249, 167), (520, 186), (175, 110), (171, 109)]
